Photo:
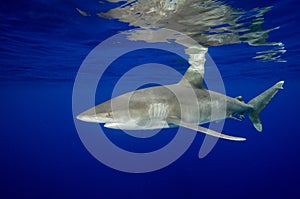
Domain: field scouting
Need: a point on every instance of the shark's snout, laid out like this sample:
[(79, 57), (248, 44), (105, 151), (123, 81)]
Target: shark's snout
[(87, 118), (91, 116)]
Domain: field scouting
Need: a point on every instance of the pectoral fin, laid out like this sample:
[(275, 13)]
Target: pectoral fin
[(203, 130)]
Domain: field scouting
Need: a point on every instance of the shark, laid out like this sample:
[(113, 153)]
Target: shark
[(159, 107)]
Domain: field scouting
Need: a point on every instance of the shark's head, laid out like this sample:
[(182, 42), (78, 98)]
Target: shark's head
[(91, 116), (111, 111), (128, 111), (99, 114)]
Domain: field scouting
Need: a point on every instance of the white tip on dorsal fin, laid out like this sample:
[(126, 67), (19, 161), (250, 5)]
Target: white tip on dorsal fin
[(195, 73)]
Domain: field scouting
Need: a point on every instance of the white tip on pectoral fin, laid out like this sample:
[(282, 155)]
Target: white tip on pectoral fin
[(204, 130)]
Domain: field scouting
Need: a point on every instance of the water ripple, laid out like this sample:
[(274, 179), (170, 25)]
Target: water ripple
[(210, 23)]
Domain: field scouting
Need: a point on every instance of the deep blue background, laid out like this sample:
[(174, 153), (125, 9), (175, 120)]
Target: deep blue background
[(42, 45)]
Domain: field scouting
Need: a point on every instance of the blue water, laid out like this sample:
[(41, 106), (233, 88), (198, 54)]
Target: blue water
[(43, 44)]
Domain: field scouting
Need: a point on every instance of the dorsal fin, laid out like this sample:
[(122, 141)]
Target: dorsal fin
[(195, 73)]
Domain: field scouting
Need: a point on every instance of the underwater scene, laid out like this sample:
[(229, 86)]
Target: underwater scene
[(149, 99)]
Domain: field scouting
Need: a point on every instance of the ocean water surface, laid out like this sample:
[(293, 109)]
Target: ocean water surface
[(43, 43)]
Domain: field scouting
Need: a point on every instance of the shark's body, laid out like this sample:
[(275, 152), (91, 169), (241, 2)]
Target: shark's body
[(172, 105), (149, 108)]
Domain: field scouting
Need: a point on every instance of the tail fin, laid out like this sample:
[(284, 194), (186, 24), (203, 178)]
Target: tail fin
[(260, 102)]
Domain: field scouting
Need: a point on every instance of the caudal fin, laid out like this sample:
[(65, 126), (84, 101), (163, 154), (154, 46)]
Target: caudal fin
[(260, 102)]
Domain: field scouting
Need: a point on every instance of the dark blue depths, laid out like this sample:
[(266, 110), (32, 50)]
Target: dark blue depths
[(43, 44)]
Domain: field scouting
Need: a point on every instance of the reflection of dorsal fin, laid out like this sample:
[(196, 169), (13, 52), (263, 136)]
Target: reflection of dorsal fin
[(195, 73)]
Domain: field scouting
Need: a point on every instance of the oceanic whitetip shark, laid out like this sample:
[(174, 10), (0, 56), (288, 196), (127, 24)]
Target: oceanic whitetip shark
[(158, 107)]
